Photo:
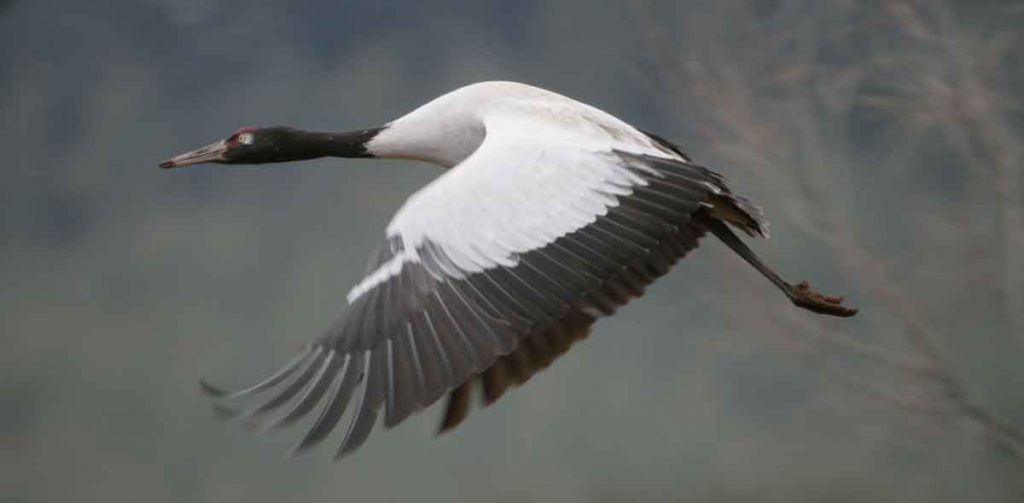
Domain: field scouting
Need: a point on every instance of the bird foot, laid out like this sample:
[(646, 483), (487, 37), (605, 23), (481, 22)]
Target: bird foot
[(805, 297)]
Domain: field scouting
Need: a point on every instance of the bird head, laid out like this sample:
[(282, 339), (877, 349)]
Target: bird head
[(248, 145)]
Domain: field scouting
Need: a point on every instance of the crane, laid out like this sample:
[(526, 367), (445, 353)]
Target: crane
[(549, 215)]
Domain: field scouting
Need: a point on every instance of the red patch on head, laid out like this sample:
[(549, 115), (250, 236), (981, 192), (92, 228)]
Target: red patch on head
[(247, 129)]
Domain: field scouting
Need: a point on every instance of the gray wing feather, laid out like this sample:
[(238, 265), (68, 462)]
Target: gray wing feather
[(369, 404)]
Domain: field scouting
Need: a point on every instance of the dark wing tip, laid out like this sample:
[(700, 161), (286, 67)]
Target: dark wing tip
[(211, 390), (665, 144), (457, 408), (304, 445)]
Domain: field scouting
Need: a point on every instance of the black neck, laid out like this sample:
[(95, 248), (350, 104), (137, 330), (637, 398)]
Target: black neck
[(314, 144), (283, 144)]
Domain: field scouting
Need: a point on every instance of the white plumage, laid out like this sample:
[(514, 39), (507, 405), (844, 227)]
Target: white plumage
[(532, 166), (551, 214)]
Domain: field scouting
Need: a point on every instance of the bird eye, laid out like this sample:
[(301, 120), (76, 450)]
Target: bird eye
[(245, 138)]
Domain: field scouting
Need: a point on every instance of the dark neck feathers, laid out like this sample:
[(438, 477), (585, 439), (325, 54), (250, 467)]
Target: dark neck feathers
[(345, 144), (282, 144)]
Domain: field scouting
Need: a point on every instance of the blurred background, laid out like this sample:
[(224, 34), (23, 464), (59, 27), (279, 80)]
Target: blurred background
[(883, 139)]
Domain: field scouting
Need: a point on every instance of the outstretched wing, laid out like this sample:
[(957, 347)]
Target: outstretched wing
[(492, 270)]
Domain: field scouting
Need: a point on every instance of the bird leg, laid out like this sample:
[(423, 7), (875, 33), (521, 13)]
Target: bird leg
[(801, 293)]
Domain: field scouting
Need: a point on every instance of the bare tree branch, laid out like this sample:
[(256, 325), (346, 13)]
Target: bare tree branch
[(771, 103)]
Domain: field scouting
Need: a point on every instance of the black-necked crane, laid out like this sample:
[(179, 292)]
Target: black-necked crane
[(550, 214)]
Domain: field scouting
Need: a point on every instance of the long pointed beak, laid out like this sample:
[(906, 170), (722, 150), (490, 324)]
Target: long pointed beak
[(210, 153)]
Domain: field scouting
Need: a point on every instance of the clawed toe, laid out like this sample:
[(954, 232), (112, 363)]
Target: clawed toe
[(807, 298)]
